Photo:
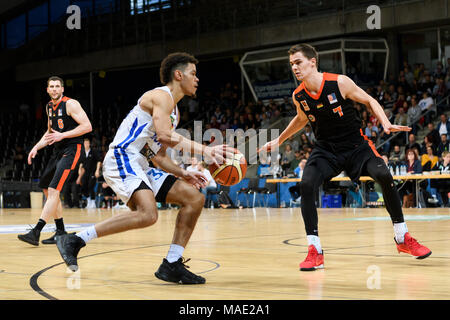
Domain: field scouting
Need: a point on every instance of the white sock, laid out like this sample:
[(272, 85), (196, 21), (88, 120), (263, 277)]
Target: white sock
[(175, 253), (400, 229), (87, 234), (315, 241)]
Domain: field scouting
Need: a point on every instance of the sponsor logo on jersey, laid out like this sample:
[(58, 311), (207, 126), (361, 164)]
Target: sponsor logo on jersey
[(305, 105), (320, 105), (60, 112), (311, 118), (332, 98)]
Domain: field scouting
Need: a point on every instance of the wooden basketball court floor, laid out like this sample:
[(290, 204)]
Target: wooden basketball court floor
[(246, 254)]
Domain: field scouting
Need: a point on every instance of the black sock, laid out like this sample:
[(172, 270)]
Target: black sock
[(40, 225), (59, 224)]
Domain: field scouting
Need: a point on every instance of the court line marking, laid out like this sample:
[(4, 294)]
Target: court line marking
[(36, 288), (34, 278)]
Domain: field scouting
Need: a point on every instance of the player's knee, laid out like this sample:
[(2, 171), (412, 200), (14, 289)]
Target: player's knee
[(307, 187), (192, 197), (383, 177), (147, 218), (199, 199)]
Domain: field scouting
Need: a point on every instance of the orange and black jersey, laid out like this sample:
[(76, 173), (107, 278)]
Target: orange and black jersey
[(333, 118), (60, 121)]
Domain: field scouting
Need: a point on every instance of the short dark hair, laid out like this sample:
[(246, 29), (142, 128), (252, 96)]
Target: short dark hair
[(307, 50), (176, 60), (55, 78)]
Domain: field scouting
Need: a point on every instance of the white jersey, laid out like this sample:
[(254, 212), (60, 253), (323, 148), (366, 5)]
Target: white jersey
[(124, 165)]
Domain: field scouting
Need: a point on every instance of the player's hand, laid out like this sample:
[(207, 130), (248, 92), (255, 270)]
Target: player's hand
[(269, 146), (31, 155), (395, 128), (197, 179), (53, 137), (218, 154)]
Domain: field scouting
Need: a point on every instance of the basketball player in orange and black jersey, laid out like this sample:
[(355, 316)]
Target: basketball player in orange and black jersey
[(67, 123), (325, 100)]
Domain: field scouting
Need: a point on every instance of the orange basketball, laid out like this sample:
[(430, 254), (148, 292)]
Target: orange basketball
[(231, 172)]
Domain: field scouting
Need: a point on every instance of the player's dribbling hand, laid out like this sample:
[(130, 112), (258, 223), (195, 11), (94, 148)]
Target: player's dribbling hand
[(395, 128), (218, 154), (197, 179), (31, 155)]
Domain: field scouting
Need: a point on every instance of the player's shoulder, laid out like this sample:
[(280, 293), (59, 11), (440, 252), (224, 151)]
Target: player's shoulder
[(155, 96), (70, 101), (298, 89)]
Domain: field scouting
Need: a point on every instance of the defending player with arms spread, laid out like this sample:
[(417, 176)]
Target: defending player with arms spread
[(126, 169), (67, 123), (325, 100)]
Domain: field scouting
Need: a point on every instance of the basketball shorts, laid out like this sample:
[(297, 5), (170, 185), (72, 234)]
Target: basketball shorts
[(350, 156), (125, 173), (161, 182), (61, 166)]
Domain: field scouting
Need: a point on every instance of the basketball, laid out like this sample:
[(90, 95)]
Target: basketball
[(231, 172)]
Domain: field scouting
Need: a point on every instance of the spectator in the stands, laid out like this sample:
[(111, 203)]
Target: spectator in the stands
[(414, 114), (443, 126), (298, 156), (412, 143), (294, 143), (310, 134), (409, 76), (396, 155), (433, 135), (398, 103), (425, 144), (429, 160), (265, 121), (442, 146), (427, 105), (443, 185), (408, 190), (427, 83), (286, 157), (304, 140), (264, 166)]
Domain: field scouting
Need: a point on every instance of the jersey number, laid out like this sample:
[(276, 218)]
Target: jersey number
[(338, 110), (60, 124), (155, 174)]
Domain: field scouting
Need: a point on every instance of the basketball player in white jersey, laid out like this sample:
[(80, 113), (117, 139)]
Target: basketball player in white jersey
[(125, 169)]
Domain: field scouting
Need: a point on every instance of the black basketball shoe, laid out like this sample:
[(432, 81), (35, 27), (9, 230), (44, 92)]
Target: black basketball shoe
[(177, 272), (31, 237), (52, 240), (69, 245)]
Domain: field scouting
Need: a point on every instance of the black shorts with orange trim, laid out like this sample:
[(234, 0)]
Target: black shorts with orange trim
[(61, 166), (349, 156)]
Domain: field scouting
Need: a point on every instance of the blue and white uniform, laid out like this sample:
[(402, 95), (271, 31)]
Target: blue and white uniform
[(124, 167)]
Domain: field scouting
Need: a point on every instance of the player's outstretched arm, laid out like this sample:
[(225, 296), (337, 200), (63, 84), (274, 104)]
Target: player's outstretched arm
[(296, 124), (349, 90)]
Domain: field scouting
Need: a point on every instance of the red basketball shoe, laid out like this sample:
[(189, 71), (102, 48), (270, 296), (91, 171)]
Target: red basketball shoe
[(412, 247), (313, 260)]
